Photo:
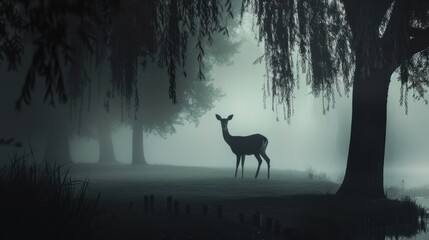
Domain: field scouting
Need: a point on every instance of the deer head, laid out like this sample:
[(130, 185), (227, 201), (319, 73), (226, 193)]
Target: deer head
[(224, 121)]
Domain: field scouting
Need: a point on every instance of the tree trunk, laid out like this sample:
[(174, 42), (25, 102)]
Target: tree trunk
[(107, 154), (57, 147), (138, 148), (364, 173)]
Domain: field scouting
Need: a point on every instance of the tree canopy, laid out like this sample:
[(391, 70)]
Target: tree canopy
[(99, 24), (328, 35)]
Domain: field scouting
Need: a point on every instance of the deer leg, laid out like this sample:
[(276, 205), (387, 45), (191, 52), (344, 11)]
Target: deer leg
[(259, 164), (267, 159), (242, 165), (236, 166)]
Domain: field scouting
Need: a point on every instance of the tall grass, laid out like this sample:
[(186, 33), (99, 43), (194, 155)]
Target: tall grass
[(41, 201)]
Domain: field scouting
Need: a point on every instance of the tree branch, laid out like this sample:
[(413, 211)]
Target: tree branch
[(354, 9), (419, 40)]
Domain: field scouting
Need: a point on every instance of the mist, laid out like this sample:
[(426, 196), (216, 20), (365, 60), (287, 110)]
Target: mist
[(311, 140), (219, 119)]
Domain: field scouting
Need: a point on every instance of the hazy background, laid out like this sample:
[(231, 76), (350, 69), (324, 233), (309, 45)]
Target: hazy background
[(311, 140)]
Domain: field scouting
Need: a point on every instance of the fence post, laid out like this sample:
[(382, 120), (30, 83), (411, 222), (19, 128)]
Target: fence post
[(277, 227), (241, 217), (170, 205), (269, 224), (219, 211), (188, 209), (176, 207), (152, 203), (257, 219), (146, 203), (205, 210)]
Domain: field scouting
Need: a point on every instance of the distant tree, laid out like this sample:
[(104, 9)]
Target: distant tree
[(139, 82), (359, 43), (158, 116), (37, 127), (133, 43), (128, 41)]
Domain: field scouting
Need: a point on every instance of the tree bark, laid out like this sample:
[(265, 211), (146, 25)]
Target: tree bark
[(364, 173), (57, 147), (107, 154), (138, 147)]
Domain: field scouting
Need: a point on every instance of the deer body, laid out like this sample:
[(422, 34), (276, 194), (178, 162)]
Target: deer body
[(245, 145)]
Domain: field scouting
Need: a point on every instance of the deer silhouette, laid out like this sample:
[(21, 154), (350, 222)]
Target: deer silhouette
[(249, 145)]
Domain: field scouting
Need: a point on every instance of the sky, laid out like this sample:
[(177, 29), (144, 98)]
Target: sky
[(311, 139)]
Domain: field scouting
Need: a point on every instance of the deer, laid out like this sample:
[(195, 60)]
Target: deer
[(241, 146)]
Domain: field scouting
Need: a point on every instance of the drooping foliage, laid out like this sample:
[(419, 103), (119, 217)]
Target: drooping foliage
[(43, 25), (414, 64), (327, 36), (317, 31), (159, 28), (194, 98)]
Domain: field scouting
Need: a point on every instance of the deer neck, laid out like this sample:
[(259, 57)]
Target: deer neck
[(226, 136)]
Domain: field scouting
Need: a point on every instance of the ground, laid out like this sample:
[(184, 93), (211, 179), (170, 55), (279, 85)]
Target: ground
[(303, 204)]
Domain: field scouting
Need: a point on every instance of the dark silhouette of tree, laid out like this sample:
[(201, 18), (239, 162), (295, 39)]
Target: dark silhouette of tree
[(355, 43), (133, 42), (360, 43), (44, 25), (194, 97), (47, 23)]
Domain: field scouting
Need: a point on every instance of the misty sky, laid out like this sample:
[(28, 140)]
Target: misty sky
[(310, 140)]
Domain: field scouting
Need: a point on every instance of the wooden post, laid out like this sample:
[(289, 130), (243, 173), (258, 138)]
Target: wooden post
[(188, 209), (269, 224), (205, 210), (241, 217), (146, 203), (277, 227), (176, 207), (152, 203), (170, 205), (257, 219), (219, 211)]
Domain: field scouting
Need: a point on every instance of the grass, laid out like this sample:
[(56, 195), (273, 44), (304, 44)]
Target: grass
[(43, 202), (348, 218), (301, 205)]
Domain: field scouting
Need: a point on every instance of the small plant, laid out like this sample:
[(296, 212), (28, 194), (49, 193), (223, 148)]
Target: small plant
[(43, 202)]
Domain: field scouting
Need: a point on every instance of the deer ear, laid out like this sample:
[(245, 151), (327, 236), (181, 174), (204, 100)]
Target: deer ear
[(218, 117), (230, 116)]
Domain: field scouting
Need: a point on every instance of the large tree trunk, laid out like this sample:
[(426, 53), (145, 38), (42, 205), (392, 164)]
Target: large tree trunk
[(138, 149), (364, 173), (107, 154), (57, 146)]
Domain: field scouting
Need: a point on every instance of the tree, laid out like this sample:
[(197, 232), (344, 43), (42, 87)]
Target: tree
[(359, 42), (157, 115), (175, 26), (167, 23)]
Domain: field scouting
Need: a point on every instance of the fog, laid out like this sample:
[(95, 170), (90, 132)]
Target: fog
[(311, 140)]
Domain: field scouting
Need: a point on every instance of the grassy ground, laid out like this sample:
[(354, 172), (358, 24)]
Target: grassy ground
[(47, 202), (306, 208), (43, 202)]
